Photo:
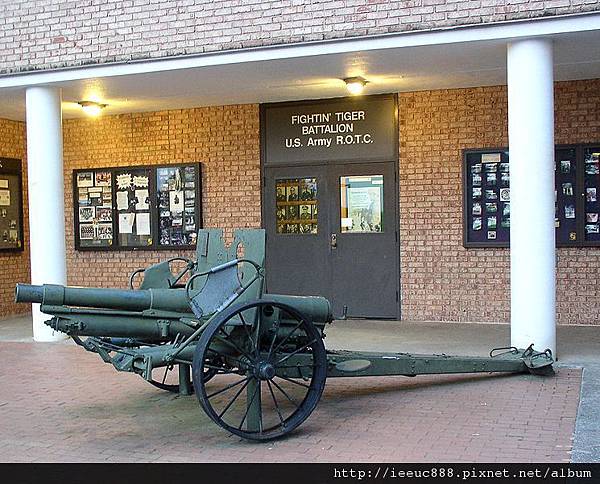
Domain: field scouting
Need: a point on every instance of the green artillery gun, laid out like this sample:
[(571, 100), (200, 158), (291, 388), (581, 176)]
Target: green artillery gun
[(258, 363)]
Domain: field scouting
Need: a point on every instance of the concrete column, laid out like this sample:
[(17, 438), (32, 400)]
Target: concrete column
[(532, 232), (46, 197)]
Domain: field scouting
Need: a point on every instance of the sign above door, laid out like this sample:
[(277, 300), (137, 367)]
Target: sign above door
[(344, 129)]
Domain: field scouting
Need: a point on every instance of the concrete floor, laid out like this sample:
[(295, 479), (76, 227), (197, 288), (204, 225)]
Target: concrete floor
[(578, 347)]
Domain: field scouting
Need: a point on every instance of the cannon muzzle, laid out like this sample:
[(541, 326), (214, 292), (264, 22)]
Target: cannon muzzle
[(29, 293)]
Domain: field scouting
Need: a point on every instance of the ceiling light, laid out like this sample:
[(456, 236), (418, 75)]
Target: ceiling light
[(355, 85), (91, 108)]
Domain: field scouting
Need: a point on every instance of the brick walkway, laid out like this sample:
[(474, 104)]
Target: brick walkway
[(58, 403)]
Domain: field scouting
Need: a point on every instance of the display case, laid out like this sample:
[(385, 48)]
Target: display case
[(139, 207), (11, 205), (591, 182), (297, 208), (486, 197), (486, 207), (179, 207), (567, 204), (94, 214)]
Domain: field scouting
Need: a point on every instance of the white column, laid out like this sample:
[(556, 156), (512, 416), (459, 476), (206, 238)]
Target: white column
[(46, 197), (532, 232)]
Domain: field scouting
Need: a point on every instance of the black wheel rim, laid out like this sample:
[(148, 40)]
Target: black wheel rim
[(270, 369), (168, 380)]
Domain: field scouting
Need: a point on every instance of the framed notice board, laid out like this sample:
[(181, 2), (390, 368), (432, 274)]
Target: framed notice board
[(486, 197), (11, 205), (93, 202), (179, 205), (486, 206), (139, 207), (591, 185)]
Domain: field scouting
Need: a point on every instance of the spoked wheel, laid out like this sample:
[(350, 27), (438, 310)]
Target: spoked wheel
[(270, 366)]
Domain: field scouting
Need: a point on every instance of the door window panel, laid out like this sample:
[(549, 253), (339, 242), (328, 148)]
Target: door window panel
[(296, 205), (361, 203)]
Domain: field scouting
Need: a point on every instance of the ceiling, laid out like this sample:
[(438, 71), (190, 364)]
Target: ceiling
[(458, 65)]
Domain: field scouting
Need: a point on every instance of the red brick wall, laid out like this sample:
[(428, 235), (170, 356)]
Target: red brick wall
[(441, 280), (14, 266), (224, 139), (44, 34)]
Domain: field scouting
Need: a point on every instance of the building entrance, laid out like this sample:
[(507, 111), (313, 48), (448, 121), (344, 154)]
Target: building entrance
[(330, 202), (332, 231)]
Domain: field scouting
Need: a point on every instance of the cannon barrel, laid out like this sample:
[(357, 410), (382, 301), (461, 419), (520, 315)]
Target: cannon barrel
[(315, 308), (93, 297)]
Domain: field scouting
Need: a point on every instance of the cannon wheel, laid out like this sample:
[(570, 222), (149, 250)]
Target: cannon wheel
[(252, 357)]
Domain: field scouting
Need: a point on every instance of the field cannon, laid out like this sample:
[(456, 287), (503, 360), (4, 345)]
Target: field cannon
[(256, 361)]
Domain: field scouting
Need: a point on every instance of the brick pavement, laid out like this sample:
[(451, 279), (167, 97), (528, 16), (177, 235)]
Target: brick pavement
[(59, 404)]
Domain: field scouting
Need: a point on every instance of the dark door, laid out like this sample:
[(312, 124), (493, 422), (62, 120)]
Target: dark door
[(297, 225), (332, 231), (363, 240)]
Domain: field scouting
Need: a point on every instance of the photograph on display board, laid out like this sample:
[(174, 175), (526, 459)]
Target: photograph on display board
[(308, 189), (565, 166), (292, 193), (280, 195), (592, 169), (86, 214), (104, 214), (85, 179)]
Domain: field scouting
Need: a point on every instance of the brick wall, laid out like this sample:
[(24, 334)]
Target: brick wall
[(14, 266), (45, 34), (224, 139), (441, 280)]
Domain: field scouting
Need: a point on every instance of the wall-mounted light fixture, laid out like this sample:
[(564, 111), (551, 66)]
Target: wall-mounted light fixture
[(92, 108), (355, 85)]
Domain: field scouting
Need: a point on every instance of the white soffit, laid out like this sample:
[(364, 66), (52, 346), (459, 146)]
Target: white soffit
[(449, 58)]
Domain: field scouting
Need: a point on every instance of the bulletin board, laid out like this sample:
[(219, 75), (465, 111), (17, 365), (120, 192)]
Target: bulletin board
[(486, 208), (486, 196), (11, 205), (139, 207)]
